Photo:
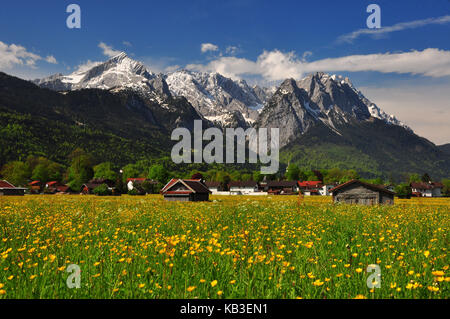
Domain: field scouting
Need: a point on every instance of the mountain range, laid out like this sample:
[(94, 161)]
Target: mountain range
[(324, 120)]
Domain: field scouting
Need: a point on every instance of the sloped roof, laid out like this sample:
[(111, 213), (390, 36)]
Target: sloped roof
[(212, 184), (243, 184), (310, 183), (281, 183), (194, 185), (424, 185), (356, 181), (6, 184)]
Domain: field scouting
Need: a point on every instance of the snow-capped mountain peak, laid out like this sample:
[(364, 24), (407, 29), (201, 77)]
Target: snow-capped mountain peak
[(216, 97)]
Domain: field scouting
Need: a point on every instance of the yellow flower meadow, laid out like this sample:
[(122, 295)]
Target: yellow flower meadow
[(246, 246)]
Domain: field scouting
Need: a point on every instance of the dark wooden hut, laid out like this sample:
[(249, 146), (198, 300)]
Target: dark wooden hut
[(358, 192)]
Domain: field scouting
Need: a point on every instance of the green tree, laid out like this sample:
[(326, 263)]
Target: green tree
[(257, 176), (40, 173), (403, 190), (414, 178), (80, 170), (426, 178), (131, 171), (105, 170), (446, 189), (17, 173), (292, 173), (159, 173), (102, 190)]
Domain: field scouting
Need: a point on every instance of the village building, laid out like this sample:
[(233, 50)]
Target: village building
[(88, 188), (185, 190), (8, 189), (133, 183), (282, 187), (430, 189), (243, 187), (214, 187), (310, 188), (55, 187), (358, 192), (35, 187)]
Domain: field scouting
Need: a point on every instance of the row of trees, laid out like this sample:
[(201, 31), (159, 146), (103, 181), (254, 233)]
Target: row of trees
[(83, 167)]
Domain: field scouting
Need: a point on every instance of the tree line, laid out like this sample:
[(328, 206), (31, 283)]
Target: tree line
[(83, 167)]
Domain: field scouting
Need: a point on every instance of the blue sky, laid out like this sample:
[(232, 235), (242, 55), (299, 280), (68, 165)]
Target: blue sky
[(260, 41)]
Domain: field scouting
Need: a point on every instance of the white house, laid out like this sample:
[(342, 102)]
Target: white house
[(243, 188), (430, 189), (213, 187)]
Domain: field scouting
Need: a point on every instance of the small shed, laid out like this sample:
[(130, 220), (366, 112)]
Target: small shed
[(358, 192), (185, 190), (8, 189), (243, 187)]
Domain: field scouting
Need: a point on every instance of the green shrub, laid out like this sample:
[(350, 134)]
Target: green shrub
[(102, 190)]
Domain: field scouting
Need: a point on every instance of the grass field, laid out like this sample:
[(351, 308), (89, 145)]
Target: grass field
[(230, 247)]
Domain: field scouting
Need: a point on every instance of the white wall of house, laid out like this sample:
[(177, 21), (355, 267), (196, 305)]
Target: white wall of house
[(424, 192), (214, 190), (242, 190), (436, 192), (130, 185), (325, 190)]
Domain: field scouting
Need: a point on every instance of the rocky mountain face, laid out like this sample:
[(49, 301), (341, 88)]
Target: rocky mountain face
[(331, 100), (321, 115), (219, 99)]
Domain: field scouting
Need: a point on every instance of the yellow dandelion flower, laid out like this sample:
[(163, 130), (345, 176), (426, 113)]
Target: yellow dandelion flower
[(191, 288), (213, 283), (219, 293), (438, 273)]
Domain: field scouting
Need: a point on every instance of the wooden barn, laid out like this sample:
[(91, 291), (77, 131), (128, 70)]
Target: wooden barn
[(8, 189), (185, 190), (358, 192)]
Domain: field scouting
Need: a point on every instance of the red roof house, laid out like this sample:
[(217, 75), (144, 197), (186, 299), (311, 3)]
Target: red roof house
[(8, 189)]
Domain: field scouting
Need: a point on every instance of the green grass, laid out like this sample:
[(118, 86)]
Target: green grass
[(272, 247)]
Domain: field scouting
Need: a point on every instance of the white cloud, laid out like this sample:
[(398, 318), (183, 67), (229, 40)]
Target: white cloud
[(51, 59), (396, 27), (209, 47), (86, 66), (126, 43), (276, 65), (232, 50), (108, 50), (16, 55)]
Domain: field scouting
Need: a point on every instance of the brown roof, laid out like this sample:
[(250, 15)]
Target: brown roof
[(243, 184), (6, 184), (370, 186), (212, 184), (424, 185), (282, 183)]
